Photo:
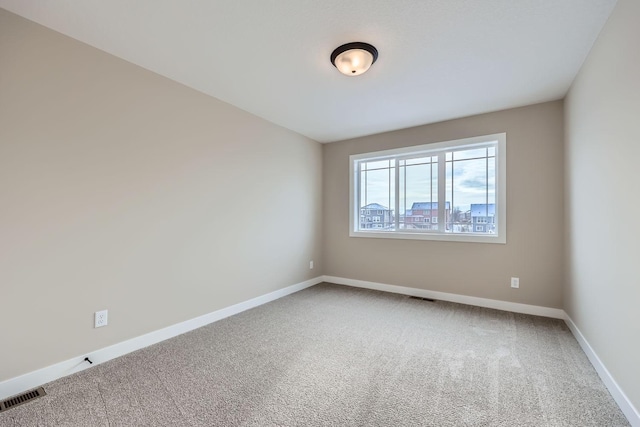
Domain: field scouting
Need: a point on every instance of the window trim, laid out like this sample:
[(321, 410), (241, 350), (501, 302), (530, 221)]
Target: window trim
[(500, 196)]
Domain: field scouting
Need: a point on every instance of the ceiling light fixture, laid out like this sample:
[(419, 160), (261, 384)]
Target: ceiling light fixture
[(353, 59)]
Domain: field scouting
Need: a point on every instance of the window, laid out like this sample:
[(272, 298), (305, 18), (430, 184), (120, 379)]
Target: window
[(435, 191)]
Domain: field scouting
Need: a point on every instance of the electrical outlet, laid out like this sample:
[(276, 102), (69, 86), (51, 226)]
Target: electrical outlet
[(515, 282), (101, 318), (310, 265)]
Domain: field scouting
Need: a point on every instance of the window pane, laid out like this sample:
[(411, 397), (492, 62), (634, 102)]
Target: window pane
[(419, 195), (383, 164), (471, 191), (491, 190), (469, 154), (377, 196), (420, 160)]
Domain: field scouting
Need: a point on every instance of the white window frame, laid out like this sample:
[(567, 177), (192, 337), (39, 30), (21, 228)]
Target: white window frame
[(500, 236)]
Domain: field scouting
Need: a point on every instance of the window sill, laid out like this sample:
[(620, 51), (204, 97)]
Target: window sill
[(466, 238)]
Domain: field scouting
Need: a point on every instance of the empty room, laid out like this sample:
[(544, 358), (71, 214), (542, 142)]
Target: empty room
[(319, 213)]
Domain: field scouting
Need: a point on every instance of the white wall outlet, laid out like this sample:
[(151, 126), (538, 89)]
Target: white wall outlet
[(310, 265), (515, 282), (101, 318)]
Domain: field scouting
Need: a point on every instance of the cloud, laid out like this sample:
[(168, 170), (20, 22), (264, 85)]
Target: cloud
[(468, 178)]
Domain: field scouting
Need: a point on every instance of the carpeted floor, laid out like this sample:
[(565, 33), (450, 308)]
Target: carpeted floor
[(338, 356)]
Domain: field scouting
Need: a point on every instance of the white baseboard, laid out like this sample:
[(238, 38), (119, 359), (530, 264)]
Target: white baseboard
[(34, 379), (515, 307), (618, 395), (42, 376)]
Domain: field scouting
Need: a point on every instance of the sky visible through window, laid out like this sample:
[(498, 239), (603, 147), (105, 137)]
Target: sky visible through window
[(470, 178)]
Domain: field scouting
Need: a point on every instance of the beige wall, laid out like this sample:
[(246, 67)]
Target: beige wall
[(603, 198), (123, 190), (534, 249)]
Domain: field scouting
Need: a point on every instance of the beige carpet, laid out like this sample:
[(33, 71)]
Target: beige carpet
[(339, 356)]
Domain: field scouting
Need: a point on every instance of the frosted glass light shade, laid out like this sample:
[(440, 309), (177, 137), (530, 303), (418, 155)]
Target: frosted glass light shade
[(354, 62), (353, 59)]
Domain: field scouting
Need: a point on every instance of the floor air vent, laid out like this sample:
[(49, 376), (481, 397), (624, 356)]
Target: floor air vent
[(21, 398), (423, 299)]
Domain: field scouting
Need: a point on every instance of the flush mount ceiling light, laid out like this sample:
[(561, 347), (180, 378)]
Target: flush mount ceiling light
[(353, 59)]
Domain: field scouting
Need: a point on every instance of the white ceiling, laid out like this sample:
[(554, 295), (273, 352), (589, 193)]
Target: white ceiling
[(439, 59)]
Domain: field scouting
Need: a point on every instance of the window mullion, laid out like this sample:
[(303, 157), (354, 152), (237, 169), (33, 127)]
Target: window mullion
[(366, 187), (359, 196), (442, 188), (486, 188), (397, 196)]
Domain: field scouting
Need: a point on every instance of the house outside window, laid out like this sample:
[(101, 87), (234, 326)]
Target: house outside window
[(375, 216), (422, 215), (483, 217)]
